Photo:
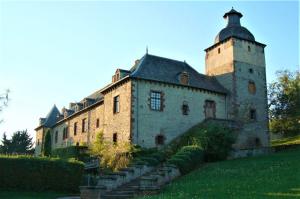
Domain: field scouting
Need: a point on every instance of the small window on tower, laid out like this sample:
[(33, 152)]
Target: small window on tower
[(251, 87), (249, 49), (252, 114), (250, 70), (115, 138), (97, 123), (160, 140), (219, 50), (185, 108)]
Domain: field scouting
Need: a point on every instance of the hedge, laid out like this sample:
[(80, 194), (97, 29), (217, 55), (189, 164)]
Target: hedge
[(187, 158), (40, 174), (77, 152)]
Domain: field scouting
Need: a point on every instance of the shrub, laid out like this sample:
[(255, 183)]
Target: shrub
[(113, 156), (39, 174), (216, 142), (76, 152), (187, 158), (151, 161)]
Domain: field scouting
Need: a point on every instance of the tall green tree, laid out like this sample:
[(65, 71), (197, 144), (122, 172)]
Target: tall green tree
[(3, 100), (4, 148), (284, 103), (47, 144), (20, 143)]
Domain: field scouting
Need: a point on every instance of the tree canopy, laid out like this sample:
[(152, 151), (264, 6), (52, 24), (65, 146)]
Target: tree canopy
[(284, 103), (20, 143)]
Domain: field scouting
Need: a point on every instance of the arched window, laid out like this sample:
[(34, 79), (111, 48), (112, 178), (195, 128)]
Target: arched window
[(115, 138), (185, 108), (160, 140), (251, 87)]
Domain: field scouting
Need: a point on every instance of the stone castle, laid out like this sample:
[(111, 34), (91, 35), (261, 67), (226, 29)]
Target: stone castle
[(158, 99)]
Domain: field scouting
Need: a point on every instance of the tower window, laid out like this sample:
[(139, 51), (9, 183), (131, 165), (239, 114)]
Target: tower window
[(116, 108), (252, 114), (155, 100), (250, 70), (115, 138), (219, 50), (251, 87), (249, 49), (160, 140)]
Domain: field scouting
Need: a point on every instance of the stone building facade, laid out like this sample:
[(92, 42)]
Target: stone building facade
[(158, 99)]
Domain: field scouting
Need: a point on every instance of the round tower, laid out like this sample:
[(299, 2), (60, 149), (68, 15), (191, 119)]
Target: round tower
[(237, 60)]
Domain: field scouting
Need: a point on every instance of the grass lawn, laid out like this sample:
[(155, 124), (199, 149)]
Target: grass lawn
[(286, 141), (30, 195), (271, 176)]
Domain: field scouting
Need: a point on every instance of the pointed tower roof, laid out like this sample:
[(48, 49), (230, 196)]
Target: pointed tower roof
[(52, 117)]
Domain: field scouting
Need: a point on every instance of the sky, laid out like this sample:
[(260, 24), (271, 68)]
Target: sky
[(57, 52)]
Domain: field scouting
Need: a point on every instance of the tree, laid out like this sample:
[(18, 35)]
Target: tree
[(4, 148), (3, 100), (47, 144), (284, 103), (20, 143)]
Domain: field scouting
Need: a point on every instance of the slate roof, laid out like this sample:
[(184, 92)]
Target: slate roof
[(167, 70), (51, 118), (234, 28)]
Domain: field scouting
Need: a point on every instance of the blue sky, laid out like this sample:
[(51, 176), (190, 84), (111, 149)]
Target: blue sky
[(60, 52)]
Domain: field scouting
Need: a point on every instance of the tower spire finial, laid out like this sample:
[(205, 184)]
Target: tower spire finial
[(147, 49)]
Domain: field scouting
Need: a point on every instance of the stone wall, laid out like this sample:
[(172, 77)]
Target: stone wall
[(245, 62), (39, 141), (118, 123), (170, 122)]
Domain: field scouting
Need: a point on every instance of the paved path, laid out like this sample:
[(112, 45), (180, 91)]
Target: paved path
[(69, 197)]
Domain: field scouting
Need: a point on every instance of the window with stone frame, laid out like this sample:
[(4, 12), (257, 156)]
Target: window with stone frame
[(156, 100), (184, 78), (116, 104), (160, 140), (97, 123), (75, 128), (115, 138), (210, 109), (38, 142), (252, 114), (251, 87), (84, 125), (185, 108), (65, 133), (56, 136)]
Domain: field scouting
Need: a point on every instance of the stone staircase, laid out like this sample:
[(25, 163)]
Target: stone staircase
[(130, 182)]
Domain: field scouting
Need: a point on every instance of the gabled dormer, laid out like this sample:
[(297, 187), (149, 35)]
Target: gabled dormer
[(120, 74)]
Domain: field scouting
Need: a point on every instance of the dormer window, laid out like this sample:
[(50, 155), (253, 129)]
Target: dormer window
[(184, 78)]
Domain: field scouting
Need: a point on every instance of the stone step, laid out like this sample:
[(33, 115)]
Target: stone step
[(117, 196)]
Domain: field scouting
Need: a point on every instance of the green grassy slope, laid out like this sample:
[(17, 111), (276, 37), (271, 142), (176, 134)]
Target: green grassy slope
[(271, 176), (30, 195), (286, 141)]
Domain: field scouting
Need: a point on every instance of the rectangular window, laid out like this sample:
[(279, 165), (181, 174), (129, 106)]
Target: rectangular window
[(56, 136), (115, 138), (84, 125), (210, 109), (97, 123), (155, 100), (116, 104), (253, 114), (75, 128)]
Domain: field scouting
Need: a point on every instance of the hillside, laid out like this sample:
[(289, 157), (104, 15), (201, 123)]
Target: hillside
[(286, 141), (270, 176)]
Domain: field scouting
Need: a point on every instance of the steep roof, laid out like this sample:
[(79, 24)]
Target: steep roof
[(52, 117), (167, 70)]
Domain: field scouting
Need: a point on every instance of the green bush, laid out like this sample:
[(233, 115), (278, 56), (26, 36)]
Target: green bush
[(77, 152), (187, 158), (151, 161), (39, 174)]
